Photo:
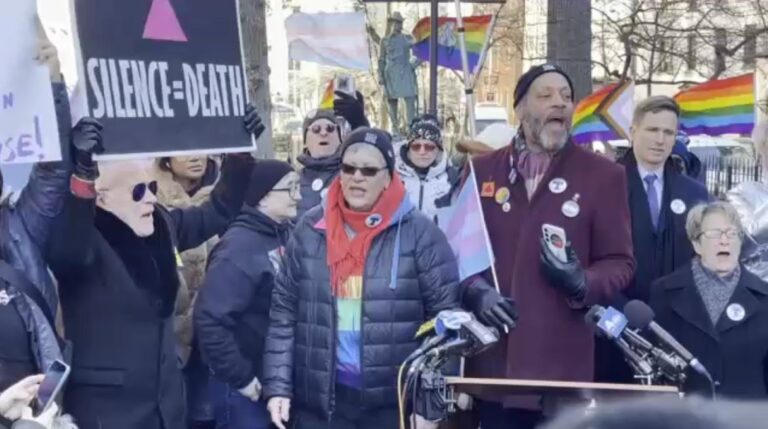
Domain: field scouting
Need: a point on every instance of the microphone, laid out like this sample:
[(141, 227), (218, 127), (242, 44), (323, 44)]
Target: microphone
[(610, 323), (640, 316), (444, 325)]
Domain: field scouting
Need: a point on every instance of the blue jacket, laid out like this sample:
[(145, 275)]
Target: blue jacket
[(410, 276), (26, 229), (232, 309)]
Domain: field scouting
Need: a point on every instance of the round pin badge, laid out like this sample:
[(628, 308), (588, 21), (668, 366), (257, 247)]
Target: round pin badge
[(736, 312), (324, 193), (506, 207), (558, 185), (502, 195), (317, 185), (678, 206), (571, 209), (373, 220)]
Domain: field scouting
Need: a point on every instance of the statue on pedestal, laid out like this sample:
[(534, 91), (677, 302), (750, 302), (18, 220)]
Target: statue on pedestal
[(397, 73)]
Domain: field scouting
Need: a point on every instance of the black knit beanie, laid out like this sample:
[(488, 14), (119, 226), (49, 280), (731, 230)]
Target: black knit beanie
[(315, 115), (375, 137), (526, 80), (265, 175)]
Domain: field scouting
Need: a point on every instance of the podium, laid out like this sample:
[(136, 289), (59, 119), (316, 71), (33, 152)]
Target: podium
[(555, 394)]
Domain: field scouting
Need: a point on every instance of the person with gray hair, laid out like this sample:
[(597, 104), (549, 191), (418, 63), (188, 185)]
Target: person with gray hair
[(717, 309), (751, 201), (663, 413)]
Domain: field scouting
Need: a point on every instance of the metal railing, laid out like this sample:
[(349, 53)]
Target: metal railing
[(723, 173)]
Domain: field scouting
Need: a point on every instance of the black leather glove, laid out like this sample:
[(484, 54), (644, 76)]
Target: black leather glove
[(351, 108), (229, 192), (252, 121), (489, 307), (86, 141), (568, 276)]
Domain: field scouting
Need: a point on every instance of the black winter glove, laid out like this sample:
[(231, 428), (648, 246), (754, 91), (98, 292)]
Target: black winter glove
[(229, 192), (568, 276), (252, 121), (489, 307), (351, 108), (86, 141)]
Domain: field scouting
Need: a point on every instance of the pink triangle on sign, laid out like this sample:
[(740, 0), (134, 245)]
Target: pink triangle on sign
[(162, 23)]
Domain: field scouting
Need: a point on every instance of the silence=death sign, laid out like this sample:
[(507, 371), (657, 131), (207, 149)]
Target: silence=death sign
[(164, 76)]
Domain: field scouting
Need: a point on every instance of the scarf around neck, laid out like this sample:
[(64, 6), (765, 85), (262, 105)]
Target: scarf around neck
[(714, 290), (347, 255)]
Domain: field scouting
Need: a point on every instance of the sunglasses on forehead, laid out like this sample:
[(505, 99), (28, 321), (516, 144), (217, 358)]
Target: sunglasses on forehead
[(350, 170), (140, 190), (329, 128)]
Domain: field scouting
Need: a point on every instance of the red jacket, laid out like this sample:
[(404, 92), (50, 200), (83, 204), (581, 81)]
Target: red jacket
[(552, 340)]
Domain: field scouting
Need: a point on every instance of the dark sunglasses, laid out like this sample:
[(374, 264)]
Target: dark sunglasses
[(350, 170), (140, 190), (328, 128), (426, 147)]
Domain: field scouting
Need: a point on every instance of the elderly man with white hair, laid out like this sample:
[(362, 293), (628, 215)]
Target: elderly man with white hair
[(751, 201), (115, 256)]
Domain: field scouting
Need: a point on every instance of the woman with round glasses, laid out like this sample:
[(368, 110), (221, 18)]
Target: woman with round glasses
[(424, 167), (717, 309), (232, 311)]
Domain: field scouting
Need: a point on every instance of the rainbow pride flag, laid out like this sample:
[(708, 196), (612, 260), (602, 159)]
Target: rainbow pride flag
[(589, 119), (718, 107), (326, 102), (477, 31)]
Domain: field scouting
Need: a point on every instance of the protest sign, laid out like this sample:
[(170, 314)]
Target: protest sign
[(164, 77), (28, 130)]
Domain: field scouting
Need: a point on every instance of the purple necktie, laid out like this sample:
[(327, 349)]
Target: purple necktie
[(653, 199)]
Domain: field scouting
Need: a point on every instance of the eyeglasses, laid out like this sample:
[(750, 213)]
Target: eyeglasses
[(350, 170), (716, 234), (329, 128), (293, 191), (422, 147), (140, 190)]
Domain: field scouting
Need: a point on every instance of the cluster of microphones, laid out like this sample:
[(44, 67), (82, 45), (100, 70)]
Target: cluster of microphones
[(662, 361)]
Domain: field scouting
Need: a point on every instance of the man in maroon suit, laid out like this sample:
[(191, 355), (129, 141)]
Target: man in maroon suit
[(543, 178)]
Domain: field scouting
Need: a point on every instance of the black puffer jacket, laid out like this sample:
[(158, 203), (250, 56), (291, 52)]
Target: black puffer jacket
[(316, 176), (300, 355)]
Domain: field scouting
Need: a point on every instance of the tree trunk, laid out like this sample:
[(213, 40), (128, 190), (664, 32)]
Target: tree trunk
[(253, 31), (569, 41)]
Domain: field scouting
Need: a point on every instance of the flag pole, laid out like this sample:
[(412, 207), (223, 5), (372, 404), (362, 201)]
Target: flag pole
[(468, 88), (485, 233)]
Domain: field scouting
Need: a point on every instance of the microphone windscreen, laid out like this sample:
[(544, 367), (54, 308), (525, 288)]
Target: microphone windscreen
[(639, 314)]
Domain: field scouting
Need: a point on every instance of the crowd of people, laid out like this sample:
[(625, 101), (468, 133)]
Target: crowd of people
[(227, 292)]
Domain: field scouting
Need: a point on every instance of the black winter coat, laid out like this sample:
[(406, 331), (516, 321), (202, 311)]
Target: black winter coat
[(232, 309), (118, 293), (300, 357), (734, 352), (316, 177)]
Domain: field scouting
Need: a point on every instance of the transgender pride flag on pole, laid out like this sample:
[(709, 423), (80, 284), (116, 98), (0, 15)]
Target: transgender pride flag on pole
[(464, 226)]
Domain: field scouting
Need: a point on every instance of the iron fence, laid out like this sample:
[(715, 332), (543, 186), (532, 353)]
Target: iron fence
[(723, 173)]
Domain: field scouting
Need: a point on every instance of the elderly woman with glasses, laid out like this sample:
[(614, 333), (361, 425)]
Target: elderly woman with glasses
[(424, 167), (717, 309)]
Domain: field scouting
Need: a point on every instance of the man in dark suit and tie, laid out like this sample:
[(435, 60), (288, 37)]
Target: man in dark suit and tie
[(660, 196)]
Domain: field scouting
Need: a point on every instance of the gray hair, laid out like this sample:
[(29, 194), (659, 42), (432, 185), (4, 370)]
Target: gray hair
[(697, 215)]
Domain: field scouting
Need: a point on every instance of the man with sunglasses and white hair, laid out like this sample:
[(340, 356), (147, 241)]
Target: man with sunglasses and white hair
[(362, 272), (323, 131), (115, 256), (424, 167)]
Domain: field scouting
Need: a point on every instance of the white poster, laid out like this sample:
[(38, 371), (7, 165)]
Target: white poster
[(28, 130)]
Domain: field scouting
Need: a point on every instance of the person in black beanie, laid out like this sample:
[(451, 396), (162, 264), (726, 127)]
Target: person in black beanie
[(232, 312)]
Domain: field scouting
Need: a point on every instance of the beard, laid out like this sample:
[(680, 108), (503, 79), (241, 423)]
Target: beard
[(546, 140)]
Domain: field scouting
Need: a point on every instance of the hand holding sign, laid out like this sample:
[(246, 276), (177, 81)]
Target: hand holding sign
[(47, 53)]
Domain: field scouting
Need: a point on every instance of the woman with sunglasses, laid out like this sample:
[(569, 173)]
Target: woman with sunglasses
[(232, 312), (362, 272), (187, 181), (717, 309), (116, 259), (424, 168)]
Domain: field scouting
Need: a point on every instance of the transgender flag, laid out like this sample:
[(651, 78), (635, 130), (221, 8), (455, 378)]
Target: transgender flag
[(464, 226)]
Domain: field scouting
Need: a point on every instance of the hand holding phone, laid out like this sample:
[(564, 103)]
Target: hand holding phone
[(55, 378)]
